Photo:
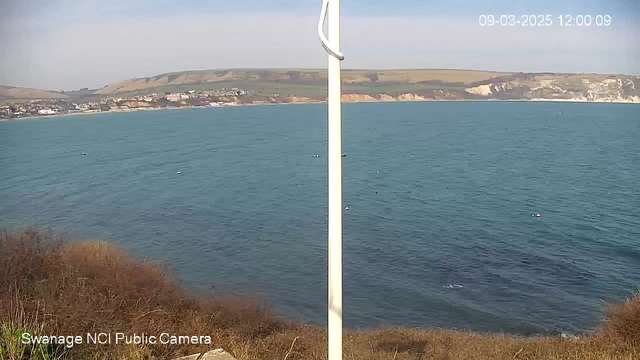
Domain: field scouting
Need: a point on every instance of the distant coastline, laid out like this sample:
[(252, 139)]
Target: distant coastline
[(88, 113), (349, 101), (250, 87)]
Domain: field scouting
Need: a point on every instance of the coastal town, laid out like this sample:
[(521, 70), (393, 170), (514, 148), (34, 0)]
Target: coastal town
[(191, 98)]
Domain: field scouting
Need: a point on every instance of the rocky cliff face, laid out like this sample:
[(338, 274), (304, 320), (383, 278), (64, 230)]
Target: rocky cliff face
[(596, 88), (525, 86), (349, 98)]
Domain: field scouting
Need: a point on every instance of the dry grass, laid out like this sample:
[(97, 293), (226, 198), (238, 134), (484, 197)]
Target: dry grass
[(88, 287), (54, 287), (623, 321)]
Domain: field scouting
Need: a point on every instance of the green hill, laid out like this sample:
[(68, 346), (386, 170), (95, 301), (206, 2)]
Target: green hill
[(301, 82), (369, 85), (18, 94)]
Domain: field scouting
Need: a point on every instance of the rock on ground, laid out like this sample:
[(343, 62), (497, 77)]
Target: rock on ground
[(217, 354)]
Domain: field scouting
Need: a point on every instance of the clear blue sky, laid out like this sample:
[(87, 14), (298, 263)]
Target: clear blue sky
[(67, 44)]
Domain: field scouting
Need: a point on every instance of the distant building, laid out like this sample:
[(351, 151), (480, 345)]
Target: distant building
[(46, 112), (235, 92), (174, 97)]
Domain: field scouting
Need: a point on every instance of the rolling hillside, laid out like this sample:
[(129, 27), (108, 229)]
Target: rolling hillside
[(370, 85), (17, 94), (301, 82), (388, 85)]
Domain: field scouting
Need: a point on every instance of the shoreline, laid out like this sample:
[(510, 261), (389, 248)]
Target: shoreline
[(537, 100), (91, 113)]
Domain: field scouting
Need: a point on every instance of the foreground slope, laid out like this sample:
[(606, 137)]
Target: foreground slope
[(54, 287)]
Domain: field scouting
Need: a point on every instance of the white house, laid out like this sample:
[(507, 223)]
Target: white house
[(173, 97)]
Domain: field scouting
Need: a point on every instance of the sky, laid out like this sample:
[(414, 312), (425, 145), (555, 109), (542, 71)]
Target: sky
[(71, 44)]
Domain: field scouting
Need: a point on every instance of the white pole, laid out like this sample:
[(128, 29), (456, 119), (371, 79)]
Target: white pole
[(335, 187), (332, 7)]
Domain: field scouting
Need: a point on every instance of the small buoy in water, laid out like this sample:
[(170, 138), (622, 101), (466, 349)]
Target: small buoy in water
[(214, 150), (179, 172), (536, 215), (347, 208), (344, 155), (83, 154), (453, 286)]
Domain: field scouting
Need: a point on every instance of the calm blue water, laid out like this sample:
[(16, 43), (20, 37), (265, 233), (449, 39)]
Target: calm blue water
[(438, 233)]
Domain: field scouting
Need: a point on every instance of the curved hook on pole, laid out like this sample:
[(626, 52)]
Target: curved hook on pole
[(325, 43)]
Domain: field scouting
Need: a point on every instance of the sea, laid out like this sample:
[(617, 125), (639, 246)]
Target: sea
[(441, 229)]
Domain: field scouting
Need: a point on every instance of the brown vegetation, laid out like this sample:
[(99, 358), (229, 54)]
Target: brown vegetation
[(17, 93), (51, 287)]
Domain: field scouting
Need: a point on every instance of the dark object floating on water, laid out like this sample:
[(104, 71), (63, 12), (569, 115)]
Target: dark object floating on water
[(536, 215), (315, 156), (179, 172), (83, 154), (344, 155)]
